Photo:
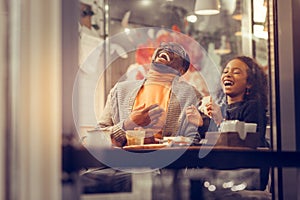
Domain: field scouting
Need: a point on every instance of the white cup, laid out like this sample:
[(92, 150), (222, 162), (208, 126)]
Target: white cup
[(205, 100), (98, 138)]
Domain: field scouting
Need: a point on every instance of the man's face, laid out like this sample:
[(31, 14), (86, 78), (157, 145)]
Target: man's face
[(171, 55)]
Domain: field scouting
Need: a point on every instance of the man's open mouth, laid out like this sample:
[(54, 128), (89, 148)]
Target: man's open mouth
[(164, 56)]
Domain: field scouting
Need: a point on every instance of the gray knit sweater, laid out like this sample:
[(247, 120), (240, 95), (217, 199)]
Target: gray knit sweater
[(121, 99)]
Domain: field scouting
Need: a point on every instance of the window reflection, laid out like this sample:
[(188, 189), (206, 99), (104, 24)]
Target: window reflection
[(223, 35), (237, 30)]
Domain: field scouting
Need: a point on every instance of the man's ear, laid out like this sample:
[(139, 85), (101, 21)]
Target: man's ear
[(182, 71)]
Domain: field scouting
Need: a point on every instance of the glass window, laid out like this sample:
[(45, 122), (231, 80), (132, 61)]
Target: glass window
[(131, 30), (117, 39)]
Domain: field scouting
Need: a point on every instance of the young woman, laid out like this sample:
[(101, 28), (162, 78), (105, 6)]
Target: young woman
[(244, 84)]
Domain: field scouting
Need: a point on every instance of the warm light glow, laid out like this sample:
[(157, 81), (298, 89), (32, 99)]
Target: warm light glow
[(206, 184), (237, 16), (191, 18), (127, 30), (260, 11), (106, 7), (238, 33), (239, 187), (145, 2), (222, 51), (258, 31), (212, 188), (228, 184)]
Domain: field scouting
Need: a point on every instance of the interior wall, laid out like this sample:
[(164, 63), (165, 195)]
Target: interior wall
[(3, 64), (34, 151)]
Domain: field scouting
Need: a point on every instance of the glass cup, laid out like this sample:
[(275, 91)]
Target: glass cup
[(135, 137)]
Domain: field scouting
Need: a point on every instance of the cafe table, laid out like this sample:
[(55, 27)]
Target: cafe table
[(76, 157)]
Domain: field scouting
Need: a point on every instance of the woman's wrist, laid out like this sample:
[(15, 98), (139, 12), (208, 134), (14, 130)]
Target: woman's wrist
[(220, 120)]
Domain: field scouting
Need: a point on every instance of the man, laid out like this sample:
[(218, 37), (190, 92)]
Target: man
[(156, 103)]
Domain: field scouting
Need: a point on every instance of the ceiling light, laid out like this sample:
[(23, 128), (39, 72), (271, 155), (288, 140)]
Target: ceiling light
[(207, 7), (237, 15)]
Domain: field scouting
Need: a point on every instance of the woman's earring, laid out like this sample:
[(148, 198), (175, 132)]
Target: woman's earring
[(247, 91)]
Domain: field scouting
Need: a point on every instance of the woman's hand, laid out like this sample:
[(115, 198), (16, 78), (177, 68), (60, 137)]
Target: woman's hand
[(214, 111), (211, 109)]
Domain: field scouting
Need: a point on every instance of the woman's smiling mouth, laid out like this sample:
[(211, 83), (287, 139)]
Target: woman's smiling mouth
[(228, 83)]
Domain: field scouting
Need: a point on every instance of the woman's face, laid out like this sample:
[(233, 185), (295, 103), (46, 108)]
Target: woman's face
[(234, 80)]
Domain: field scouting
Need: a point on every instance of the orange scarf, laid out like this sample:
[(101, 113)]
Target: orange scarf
[(156, 90)]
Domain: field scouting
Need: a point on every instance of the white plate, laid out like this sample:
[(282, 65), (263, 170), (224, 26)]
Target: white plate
[(146, 146)]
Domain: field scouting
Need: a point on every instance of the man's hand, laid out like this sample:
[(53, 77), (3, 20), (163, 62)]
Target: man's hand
[(144, 117), (193, 115)]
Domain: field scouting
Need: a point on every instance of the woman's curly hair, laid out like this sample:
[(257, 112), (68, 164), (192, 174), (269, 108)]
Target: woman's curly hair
[(257, 78)]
